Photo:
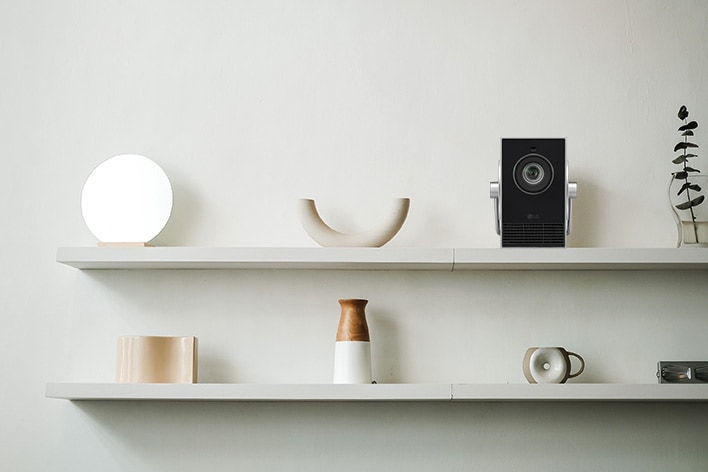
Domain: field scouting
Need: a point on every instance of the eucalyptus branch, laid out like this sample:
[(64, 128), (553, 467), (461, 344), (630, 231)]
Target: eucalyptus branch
[(686, 130)]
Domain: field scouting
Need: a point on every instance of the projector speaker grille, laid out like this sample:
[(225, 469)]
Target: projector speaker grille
[(533, 235)]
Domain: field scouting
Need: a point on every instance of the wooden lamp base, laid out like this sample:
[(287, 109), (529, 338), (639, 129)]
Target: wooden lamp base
[(116, 244)]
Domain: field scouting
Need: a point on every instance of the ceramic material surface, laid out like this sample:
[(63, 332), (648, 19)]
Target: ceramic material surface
[(376, 237), (126, 199), (156, 359), (352, 351), (352, 362), (550, 365)]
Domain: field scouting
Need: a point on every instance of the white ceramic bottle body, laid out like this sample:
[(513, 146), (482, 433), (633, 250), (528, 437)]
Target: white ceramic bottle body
[(352, 362)]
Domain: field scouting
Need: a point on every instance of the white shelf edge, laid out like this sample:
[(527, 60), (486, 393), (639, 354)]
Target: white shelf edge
[(580, 259), (249, 392), (458, 259), (581, 392), (256, 258), (380, 392)]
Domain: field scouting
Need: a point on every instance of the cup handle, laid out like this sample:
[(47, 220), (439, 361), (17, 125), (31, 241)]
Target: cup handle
[(582, 364)]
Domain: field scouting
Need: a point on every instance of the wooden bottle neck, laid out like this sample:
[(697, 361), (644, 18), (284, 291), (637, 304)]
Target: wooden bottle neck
[(352, 321)]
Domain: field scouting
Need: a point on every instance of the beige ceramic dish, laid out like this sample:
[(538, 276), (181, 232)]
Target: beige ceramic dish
[(379, 235)]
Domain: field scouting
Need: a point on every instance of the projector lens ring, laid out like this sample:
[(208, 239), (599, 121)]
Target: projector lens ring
[(533, 174)]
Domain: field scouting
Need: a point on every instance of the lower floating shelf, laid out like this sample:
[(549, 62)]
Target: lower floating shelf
[(581, 392), (381, 392), (250, 392)]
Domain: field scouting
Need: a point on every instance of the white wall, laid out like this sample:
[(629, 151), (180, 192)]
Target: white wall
[(249, 105)]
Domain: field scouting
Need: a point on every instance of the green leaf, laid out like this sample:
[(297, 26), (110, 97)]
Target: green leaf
[(690, 169), (681, 158), (687, 133), (683, 112), (695, 202), (689, 186), (684, 145), (681, 175), (691, 125)]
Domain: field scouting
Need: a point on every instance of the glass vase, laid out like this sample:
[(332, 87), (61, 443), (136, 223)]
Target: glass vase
[(691, 222)]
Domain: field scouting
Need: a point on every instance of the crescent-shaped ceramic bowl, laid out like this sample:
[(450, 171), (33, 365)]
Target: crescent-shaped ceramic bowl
[(377, 236)]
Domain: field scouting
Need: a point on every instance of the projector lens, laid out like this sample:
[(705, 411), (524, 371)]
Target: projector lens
[(533, 174)]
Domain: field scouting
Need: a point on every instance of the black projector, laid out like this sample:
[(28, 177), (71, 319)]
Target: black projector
[(532, 199)]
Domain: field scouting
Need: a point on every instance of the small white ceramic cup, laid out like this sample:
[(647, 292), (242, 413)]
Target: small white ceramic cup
[(156, 359), (352, 362), (550, 365)]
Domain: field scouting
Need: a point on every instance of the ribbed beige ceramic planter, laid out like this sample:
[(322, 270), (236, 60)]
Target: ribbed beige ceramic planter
[(156, 359)]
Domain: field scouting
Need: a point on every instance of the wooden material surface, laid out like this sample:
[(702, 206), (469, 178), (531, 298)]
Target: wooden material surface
[(352, 321), (104, 244)]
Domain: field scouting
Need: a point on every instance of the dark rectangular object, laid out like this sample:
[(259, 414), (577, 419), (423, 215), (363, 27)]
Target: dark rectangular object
[(681, 372), (534, 182)]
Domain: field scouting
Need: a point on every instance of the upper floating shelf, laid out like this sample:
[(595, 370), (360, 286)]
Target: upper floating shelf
[(383, 258), (254, 258), (581, 259)]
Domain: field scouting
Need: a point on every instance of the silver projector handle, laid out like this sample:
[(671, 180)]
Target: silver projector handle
[(494, 193), (572, 193)]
